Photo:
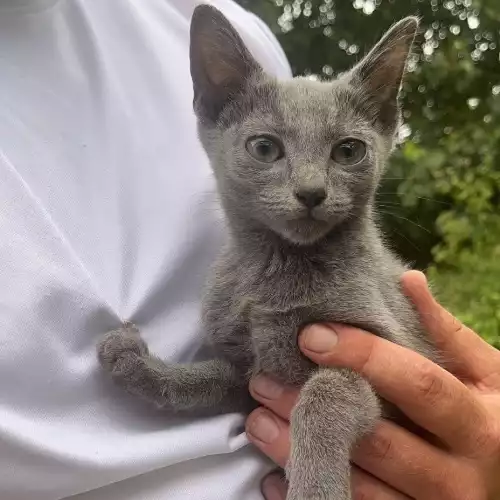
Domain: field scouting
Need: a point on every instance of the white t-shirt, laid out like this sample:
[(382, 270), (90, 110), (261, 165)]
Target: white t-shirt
[(107, 213)]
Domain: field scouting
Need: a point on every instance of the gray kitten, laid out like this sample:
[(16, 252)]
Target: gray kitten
[(297, 165)]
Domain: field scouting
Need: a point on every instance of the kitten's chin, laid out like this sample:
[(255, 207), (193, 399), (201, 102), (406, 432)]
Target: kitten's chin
[(304, 232)]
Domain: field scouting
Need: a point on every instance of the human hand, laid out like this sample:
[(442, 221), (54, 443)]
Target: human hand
[(460, 408)]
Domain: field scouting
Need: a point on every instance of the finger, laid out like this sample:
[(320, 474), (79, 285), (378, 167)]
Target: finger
[(406, 462), (278, 398), (274, 487), (270, 433), (468, 355), (364, 485), (429, 395)]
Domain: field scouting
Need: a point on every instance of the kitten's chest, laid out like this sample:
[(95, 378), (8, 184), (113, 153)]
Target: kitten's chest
[(318, 293), (326, 292), (290, 287), (280, 310)]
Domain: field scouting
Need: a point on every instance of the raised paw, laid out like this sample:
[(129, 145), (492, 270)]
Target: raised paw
[(118, 345)]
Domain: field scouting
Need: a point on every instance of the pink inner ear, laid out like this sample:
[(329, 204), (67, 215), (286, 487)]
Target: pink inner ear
[(219, 70), (387, 71)]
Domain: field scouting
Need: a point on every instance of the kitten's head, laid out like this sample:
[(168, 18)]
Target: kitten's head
[(297, 157)]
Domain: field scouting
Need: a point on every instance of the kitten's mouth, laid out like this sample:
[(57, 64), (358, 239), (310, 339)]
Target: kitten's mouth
[(321, 215), (313, 215), (306, 226), (305, 229), (311, 225)]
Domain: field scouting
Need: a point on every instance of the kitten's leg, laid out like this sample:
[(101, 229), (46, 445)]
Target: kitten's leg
[(205, 387), (335, 408)]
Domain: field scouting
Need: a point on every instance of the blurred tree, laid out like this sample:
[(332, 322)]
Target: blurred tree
[(441, 196)]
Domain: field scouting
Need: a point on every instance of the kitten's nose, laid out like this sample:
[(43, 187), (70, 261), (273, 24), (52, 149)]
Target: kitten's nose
[(311, 196)]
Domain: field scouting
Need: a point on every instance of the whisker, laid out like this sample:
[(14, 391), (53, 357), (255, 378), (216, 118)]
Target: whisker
[(388, 204), (401, 235), (408, 220), (420, 198), (435, 201)]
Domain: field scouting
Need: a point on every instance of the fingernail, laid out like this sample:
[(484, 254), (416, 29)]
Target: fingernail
[(264, 428), (266, 387), (319, 339), (273, 488)]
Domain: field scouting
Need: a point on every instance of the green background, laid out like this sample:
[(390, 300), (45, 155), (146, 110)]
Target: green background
[(440, 199)]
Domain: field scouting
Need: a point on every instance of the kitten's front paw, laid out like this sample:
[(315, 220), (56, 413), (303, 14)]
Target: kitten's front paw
[(119, 345)]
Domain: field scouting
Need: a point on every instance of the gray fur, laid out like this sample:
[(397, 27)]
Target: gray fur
[(284, 266)]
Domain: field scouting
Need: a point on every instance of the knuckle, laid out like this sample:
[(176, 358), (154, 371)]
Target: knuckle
[(362, 491), (460, 491), (363, 487), (368, 355), (429, 385), (494, 430), (460, 481), (487, 441), (447, 491), (379, 447), (456, 326)]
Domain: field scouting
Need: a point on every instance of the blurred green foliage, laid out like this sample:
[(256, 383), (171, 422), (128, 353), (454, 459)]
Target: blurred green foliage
[(441, 196)]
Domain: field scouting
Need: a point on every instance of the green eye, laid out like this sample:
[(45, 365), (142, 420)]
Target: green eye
[(264, 149), (349, 152)]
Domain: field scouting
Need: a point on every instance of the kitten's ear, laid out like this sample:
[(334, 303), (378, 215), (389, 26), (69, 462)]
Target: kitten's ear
[(220, 62), (380, 72)]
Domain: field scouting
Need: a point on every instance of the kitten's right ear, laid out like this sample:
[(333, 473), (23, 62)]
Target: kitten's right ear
[(220, 62)]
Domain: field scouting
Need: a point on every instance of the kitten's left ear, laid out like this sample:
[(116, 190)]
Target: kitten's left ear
[(221, 64), (380, 72)]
